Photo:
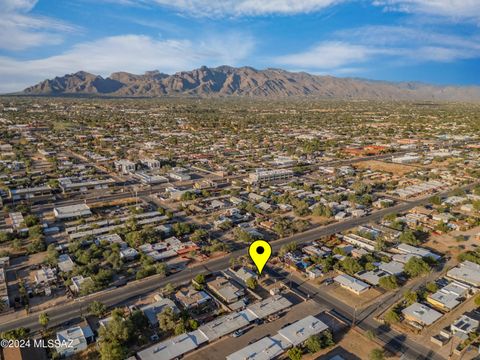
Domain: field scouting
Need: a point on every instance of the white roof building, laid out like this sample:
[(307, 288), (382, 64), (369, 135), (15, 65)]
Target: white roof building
[(413, 250), (175, 347), (264, 349), (300, 331), (268, 306), (350, 283), (467, 272), (72, 211), (65, 263), (421, 314), (74, 340)]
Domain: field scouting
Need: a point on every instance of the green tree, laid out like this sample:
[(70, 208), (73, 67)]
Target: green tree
[(112, 350), (167, 320), (16, 334), (31, 220), (408, 237), (388, 282), (290, 247), (431, 287), (97, 308), (295, 353), (392, 317), (313, 344), (168, 289), (410, 297), (377, 354), (200, 279), (416, 267), (199, 235), (351, 265), (43, 320), (52, 255), (252, 283)]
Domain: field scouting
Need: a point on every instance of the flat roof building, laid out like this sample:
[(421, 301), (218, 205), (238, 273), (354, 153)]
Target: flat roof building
[(266, 348), (268, 306), (421, 314), (467, 272), (65, 263), (175, 347), (350, 283), (261, 176), (72, 211), (226, 289), (301, 330)]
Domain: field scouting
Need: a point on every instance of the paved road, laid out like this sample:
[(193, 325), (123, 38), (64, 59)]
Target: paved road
[(63, 313), (394, 341)]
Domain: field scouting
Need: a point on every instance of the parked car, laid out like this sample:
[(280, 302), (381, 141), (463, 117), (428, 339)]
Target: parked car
[(238, 333)]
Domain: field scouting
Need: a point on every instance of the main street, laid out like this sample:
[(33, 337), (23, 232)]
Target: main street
[(135, 289)]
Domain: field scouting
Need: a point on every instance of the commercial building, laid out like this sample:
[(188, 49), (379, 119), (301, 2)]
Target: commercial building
[(262, 176), (179, 176), (151, 164), (30, 193), (125, 166), (406, 159), (71, 211), (69, 185), (150, 179)]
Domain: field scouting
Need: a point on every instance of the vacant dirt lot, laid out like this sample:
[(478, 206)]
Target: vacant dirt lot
[(376, 165), (353, 346), (449, 244)]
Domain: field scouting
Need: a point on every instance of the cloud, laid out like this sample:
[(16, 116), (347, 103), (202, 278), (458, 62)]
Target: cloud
[(21, 30), (379, 46), (131, 53), (209, 8), (327, 55), (453, 9)]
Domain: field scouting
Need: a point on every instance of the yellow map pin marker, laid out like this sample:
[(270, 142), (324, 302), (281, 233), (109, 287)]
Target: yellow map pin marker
[(260, 251)]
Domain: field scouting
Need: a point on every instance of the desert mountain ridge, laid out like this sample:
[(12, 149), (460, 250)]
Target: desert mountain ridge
[(226, 81)]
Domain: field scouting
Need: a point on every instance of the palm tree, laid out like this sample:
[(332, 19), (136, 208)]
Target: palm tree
[(43, 320)]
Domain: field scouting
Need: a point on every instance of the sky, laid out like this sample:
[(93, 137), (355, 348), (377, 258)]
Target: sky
[(432, 41)]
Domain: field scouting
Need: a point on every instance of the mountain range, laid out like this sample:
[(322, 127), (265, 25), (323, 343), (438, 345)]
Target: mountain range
[(226, 81)]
